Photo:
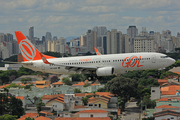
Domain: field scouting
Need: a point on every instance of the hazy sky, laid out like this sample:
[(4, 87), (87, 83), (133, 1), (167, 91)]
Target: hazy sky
[(65, 18)]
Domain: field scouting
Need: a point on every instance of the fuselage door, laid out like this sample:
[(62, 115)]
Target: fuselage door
[(153, 59)]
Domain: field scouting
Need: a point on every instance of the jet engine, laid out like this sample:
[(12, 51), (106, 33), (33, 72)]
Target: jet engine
[(105, 71)]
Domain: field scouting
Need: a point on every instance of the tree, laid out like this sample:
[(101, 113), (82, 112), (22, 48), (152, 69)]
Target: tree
[(84, 100), (78, 77), (77, 90), (54, 79), (16, 107), (67, 81), (26, 80), (8, 117), (39, 105), (122, 86)]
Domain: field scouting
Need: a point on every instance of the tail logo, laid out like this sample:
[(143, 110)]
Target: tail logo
[(28, 50)]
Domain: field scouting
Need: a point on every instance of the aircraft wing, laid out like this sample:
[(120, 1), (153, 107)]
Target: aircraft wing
[(27, 63)]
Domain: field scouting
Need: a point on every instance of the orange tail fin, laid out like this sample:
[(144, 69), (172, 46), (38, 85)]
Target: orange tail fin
[(28, 50), (97, 52)]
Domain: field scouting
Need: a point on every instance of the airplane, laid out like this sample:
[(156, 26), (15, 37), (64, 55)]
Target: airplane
[(99, 65)]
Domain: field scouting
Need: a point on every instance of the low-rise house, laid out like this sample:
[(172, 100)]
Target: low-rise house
[(155, 93), (57, 84), (22, 98), (83, 118), (168, 101), (79, 85), (170, 90), (56, 103), (93, 113), (98, 102), (42, 84), (31, 115), (167, 107), (44, 113), (166, 115), (42, 118), (78, 97)]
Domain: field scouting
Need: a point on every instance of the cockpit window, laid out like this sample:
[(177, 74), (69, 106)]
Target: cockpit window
[(164, 56)]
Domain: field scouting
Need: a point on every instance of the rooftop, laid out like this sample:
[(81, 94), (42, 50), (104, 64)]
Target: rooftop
[(83, 118), (166, 106), (93, 111), (31, 115), (79, 84), (20, 97), (42, 118), (58, 83)]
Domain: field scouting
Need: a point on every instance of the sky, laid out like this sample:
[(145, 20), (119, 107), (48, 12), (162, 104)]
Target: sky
[(64, 18)]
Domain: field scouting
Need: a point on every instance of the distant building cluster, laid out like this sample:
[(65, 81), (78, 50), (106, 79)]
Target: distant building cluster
[(107, 42)]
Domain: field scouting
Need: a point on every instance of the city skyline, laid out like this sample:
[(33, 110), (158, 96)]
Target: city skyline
[(73, 18)]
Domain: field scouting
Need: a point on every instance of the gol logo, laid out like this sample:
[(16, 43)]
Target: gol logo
[(132, 62), (27, 45)]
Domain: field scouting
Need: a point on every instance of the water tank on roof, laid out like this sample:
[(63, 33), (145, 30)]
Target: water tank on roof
[(177, 93)]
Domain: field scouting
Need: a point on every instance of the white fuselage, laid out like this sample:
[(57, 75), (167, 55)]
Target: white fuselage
[(120, 62)]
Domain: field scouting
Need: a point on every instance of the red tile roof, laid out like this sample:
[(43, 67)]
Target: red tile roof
[(42, 118), (83, 118), (80, 83), (79, 94), (79, 106), (31, 115), (89, 94), (104, 93), (47, 113), (170, 90), (166, 106), (97, 99), (94, 84), (177, 73), (48, 97), (3, 86), (58, 83), (93, 111), (20, 97), (168, 99)]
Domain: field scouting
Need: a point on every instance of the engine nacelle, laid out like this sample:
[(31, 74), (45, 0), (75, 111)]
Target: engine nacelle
[(105, 71)]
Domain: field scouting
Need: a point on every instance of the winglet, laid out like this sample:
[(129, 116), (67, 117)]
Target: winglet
[(97, 52), (44, 59)]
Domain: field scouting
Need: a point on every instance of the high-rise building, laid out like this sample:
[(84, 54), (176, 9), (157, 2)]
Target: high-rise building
[(48, 36), (9, 37), (132, 31), (91, 40), (114, 41), (125, 43), (101, 32), (31, 33), (2, 37), (144, 44), (83, 40)]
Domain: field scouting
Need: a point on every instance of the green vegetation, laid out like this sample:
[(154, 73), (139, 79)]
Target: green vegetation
[(39, 105), (14, 85), (11, 105), (77, 90), (8, 117), (26, 80), (67, 81), (28, 118), (86, 85), (54, 79), (78, 77)]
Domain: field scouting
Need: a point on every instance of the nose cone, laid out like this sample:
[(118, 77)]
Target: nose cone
[(172, 61)]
